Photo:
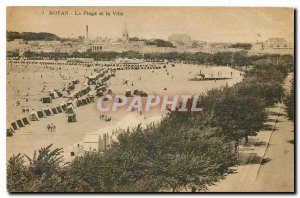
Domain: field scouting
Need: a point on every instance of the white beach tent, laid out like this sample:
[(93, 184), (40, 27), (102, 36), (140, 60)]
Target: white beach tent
[(33, 116), (72, 102), (53, 94), (70, 109)]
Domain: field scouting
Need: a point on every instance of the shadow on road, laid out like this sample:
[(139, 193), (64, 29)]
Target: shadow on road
[(251, 158), (269, 127)]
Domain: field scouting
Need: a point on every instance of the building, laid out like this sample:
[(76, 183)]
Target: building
[(66, 49), (82, 48), (180, 39), (272, 46), (218, 46), (92, 142), (17, 45), (273, 43), (81, 39), (96, 142), (125, 35), (258, 46), (97, 47)]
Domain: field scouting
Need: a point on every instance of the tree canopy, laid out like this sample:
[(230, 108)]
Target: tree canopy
[(31, 36)]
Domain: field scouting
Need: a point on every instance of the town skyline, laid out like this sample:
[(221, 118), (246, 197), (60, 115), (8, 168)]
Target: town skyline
[(150, 26)]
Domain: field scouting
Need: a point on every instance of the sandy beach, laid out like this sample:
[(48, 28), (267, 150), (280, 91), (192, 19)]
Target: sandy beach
[(25, 83)]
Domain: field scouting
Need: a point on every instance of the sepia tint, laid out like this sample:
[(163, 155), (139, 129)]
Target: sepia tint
[(150, 99)]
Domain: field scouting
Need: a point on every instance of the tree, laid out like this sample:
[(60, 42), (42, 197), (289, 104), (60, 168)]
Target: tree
[(245, 46), (16, 174), (31, 36), (44, 173), (290, 103), (160, 43), (237, 111)]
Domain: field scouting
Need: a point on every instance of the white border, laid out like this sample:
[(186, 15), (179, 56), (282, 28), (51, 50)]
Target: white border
[(5, 3)]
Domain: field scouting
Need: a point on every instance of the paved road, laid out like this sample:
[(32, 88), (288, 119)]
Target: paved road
[(276, 173)]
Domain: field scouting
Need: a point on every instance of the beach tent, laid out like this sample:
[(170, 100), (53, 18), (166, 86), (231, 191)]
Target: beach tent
[(71, 87), (54, 110), (69, 102), (72, 102), (33, 116), (109, 91), (128, 93), (14, 126), (10, 131), (59, 110), (92, 98), (142, 94), (25, 121), (135, 92), (59, 94), (69, 109), (98, 89), (84, 101), (20, 123), (88, 100), (99, 94), (91, 80), (53, 94), (71, 117), (75, 81), (48, 112), (47, 99), (103, 89), (41, 114), (88, 89), (86, 81), (63, 106), (85, 90), (79, 103)]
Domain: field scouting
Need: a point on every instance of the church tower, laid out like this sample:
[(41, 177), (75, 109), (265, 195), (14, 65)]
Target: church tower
[(125, 36)]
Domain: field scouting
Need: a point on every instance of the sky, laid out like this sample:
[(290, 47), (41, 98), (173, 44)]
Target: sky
[(211, 24)]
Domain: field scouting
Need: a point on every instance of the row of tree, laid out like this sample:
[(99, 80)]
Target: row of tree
[(185, 151), (221, 58), (31, 36), (245, 46), (290, 103), (160, 43)]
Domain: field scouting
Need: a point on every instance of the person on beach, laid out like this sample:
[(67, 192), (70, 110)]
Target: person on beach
[(53, 127), (49, 128)]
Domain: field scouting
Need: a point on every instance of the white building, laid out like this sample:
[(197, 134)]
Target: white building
[(273, 43), (92, 142), (180, 39), (97, 47)]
